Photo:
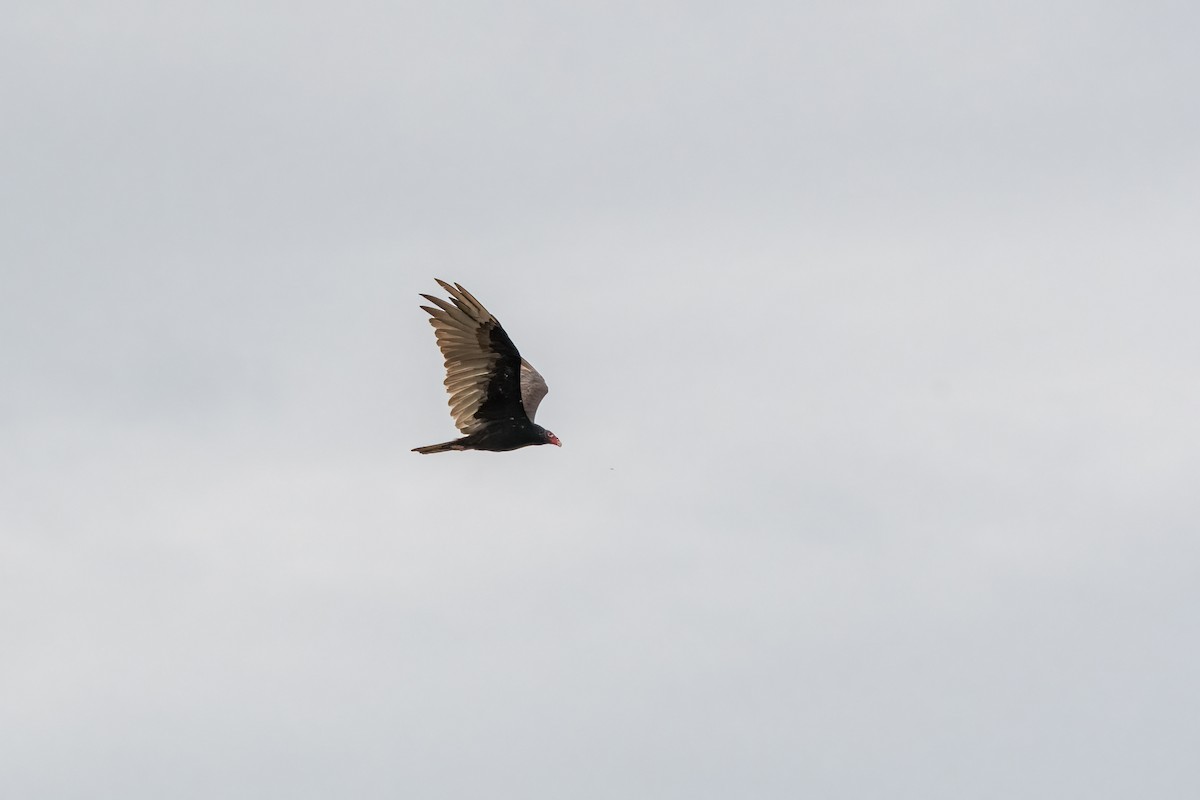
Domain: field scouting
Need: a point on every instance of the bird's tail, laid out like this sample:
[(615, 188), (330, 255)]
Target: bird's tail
[(444, 447)]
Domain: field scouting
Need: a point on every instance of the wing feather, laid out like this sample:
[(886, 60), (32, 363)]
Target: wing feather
[(533, 388), (486, 377)]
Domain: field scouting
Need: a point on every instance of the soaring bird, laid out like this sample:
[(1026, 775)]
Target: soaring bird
[(494, 393)]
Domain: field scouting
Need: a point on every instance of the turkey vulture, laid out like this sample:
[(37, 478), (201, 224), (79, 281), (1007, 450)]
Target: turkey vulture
[(494, 393)]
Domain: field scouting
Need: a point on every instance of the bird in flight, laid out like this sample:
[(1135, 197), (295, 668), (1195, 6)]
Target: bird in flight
[(494, 393)]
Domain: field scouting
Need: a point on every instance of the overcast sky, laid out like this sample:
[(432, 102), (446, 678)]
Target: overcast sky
[(871, 333)]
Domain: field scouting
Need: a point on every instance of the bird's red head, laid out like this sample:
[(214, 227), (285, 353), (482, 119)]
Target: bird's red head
[(552, 439)]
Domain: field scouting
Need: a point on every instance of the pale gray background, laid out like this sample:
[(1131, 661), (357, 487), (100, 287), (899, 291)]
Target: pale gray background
[(871, 331)]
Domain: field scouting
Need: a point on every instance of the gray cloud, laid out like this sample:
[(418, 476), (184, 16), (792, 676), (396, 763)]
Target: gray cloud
[(870, 336)]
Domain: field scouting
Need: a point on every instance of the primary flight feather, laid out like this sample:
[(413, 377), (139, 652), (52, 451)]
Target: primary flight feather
[(494, 393)]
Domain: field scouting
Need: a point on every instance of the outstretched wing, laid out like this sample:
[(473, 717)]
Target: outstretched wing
[(533, 388), (483, 367)]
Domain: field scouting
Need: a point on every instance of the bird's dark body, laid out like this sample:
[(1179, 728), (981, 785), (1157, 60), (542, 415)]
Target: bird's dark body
[(502, 435)]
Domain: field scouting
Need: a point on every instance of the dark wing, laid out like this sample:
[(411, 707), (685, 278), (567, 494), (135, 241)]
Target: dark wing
[(533, 388), (482, 365)]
